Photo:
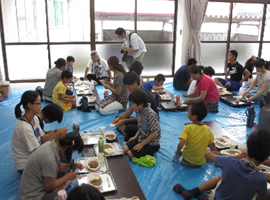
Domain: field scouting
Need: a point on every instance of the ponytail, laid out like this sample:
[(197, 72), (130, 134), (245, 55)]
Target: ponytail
[(114, 62), (122, 69), (18, 112), (27, 97), (72, 141), (60, 62)]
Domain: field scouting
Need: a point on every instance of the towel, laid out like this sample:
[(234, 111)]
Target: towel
[(146, 161)]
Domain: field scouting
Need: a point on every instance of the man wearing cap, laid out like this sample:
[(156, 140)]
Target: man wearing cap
[(133, 45), (99, 69)]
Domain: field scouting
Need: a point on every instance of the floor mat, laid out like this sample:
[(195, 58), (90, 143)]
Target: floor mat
[(156, 182)]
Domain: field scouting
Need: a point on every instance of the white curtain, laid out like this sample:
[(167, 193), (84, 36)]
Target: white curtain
[(1, 77), (195, 14)]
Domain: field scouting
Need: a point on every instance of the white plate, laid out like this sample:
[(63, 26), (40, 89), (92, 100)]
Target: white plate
[(165, 97), (264, 169), (222, 141), (231, 152)]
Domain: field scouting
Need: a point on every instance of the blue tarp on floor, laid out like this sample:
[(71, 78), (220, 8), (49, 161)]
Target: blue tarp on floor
[(156, 182)]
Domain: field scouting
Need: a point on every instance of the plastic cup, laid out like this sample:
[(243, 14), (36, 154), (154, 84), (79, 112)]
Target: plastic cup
[(237, 99), (62, 195), (102, 130), (101, 157)]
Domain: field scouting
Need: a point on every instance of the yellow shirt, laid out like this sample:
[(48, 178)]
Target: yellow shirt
[(197, 137), (60, 88)]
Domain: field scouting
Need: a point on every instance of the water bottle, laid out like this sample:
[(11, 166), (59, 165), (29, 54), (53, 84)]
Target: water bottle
[(76, 127), (250, 116), (101, 145)]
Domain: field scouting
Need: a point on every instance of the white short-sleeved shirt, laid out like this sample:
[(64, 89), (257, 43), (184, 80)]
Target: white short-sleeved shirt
[(136, 43), (99, 68), (24, 142), (192, 86), (261, 79)]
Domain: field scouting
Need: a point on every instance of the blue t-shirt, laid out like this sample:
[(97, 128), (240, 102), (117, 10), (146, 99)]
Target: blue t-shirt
[(69, 69), (181, 77), (148, 85), (237, 182)]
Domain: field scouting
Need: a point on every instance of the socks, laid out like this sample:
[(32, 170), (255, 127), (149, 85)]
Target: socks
[(187, 194), (202, 196)]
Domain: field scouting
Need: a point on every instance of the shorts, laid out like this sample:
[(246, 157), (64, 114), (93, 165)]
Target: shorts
[(146, 150), (184, 162), (130, 130), (234, 84)]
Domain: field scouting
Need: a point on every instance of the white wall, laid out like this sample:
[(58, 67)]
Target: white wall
[(182, 34)]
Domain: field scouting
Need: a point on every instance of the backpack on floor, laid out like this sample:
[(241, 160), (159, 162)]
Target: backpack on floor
[(84, 104), (39, 90)]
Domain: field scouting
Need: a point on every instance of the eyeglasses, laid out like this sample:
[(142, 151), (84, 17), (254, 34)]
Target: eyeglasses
[(37, 104)]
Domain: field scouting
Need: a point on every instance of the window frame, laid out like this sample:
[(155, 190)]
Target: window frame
[(92, 43), (228, 41)]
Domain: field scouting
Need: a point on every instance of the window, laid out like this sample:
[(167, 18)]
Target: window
[(69, 30), (244, 28)]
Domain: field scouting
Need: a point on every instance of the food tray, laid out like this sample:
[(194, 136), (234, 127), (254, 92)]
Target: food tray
[(103, 166), (85, 92), (159, 91), (231, 143), (225, 93), (91, 99), (108, 183), (165, 97), (91, 138), (264, 169), (117, 149)]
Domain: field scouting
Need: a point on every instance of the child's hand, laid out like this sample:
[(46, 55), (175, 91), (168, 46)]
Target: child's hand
[(186, 101), (78, 166), (138, 147), (61, 132), (176, 157), (72, 175), (132, 138), (115, 120), (184, 95)]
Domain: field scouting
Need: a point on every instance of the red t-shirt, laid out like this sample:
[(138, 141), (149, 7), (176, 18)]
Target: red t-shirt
[(208, 84)]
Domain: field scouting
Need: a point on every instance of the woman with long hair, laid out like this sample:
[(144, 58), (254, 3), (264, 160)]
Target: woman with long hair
[(39, 179), (119, 97), (262, 80), (28, 135)]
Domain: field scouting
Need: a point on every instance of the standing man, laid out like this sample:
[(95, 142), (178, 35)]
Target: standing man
[(99, 69), (181, 79), (236, 70), (133, 48)]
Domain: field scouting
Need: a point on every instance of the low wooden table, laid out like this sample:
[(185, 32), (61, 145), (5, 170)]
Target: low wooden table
[(126, 181), (90, 104), (169, 105), (231, 101), (218, 131)]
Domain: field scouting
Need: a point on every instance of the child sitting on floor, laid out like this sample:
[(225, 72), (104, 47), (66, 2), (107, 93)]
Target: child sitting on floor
[(240, 179), (264, 114), (196, 137), (146, 140), (156, 84), (59, 93)]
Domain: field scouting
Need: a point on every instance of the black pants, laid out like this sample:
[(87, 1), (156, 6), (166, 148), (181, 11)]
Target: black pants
[(93, 77)]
